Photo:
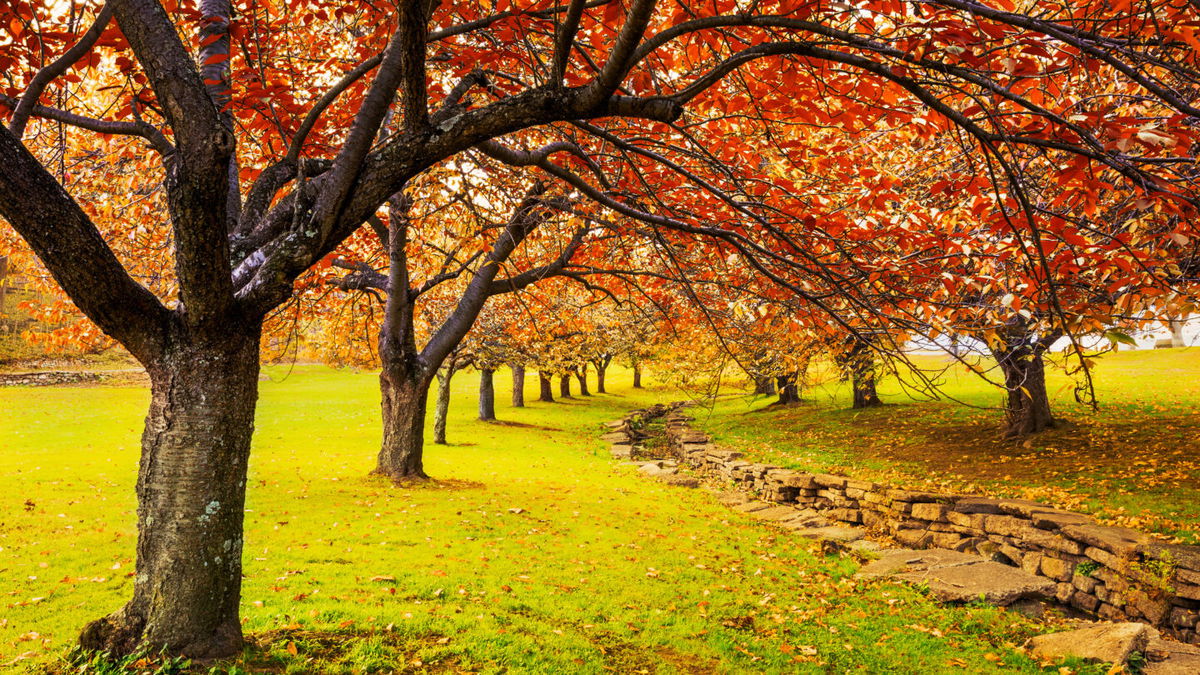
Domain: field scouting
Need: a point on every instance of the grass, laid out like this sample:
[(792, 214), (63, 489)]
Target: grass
[(1134, 462), (534, 553)]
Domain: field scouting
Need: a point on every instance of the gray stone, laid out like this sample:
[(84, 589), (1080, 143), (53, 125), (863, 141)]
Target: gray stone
[(1167, 657), (835, 532), (1106, 643), (680, 480), (988, 581), (953, 576)]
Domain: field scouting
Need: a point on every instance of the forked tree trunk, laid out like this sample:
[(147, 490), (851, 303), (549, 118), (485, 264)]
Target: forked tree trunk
[(546, 387), (564, 386), (581, 376), (518, 387), (764, 386), (401, 452), (442, 406), (191, 491), (637, 375), (487, 394)]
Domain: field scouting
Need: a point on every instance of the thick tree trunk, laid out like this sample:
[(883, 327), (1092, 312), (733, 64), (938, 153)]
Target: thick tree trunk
[(581, 376), (788, 391), (547, 387), (564, 386), (442, 405), (600, 372), (487, 394), (191, 491), (863, 382), (764, 386), (401, 454), (1027, 404), (518, 387), (637, 375)]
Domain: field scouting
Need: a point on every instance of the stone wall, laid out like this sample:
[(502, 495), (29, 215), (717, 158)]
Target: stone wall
[(46, 378), (1113, 572)]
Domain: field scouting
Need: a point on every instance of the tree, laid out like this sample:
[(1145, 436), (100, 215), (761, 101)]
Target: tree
[(272, 156)]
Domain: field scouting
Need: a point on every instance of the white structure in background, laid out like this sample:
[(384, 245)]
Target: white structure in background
[(1186, 334)]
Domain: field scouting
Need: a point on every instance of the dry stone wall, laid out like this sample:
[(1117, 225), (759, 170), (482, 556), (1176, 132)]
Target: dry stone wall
[(47, 378), (1113, 572)]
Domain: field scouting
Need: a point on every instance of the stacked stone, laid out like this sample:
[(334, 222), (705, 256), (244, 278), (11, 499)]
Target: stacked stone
[(47, 378), (1114, 572)]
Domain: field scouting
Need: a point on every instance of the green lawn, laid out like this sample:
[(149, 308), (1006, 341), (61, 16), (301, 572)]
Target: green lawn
[(600, 571), (1135, 462)]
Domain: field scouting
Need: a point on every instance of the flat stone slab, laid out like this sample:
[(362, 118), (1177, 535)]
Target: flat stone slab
[(680, 480), (1102, 642), (733, 498), (1168, 657), (776, 513), (834, 532), (615, 437), (751, 507), (908, 560), (954, 576)]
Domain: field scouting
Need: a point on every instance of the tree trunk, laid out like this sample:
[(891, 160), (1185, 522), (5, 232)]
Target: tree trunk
[(191, 491), (1027, 404), (401, 454), (487, 394), (547, 387), (518, 388), (564, 386), (442, 406), (764, 386), (637, 375), (600, 371), (788, 391), (863, 382), (581, 376)]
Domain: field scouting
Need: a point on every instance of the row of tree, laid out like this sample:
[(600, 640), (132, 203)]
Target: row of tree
[(863, 174)]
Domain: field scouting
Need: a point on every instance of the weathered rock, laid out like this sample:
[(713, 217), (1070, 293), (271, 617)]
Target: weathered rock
[(750, 507), (1167, 657), (778, 513), (834, 532), (1120, 541), (953, 576), (680, 480), (908, 560), (733, 498), (1106, 643)]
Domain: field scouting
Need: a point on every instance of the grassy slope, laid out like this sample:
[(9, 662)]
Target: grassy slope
[(602, 571), (1135, 462)]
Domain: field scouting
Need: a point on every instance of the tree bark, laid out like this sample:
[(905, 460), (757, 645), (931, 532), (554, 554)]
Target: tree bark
[(564, 386), (600, 372), (518, 387), (1027, 403), (863, 382), (442, 405), (487, 394), (401, 454), (788, 391), (637, 375), (581, 376), (191, 491), (547, 387)]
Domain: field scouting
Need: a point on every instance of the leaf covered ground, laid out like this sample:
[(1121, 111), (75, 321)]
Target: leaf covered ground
[(534, 552), (1133, 462)]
